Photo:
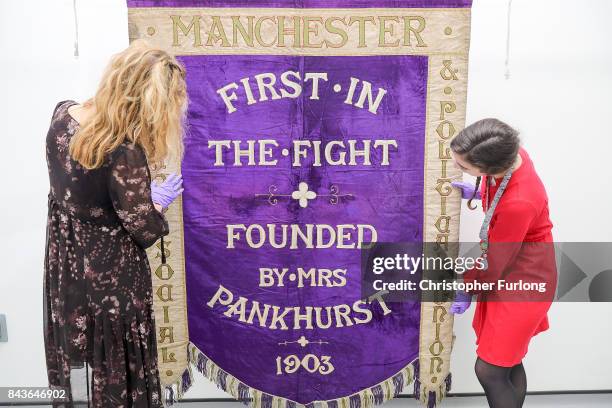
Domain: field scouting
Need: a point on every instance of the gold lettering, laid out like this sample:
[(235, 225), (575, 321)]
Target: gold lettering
[(194, 25), (409, 30), (443, 224), (362, 24), (437, 369), (446, 107), (311, 30), (337, 31), (167, 357), (164, 293), (443, 187), (166, 314), (159, 271), (442, 239), (450, 129), (439, 314), (285, 31), (258, 32), (384, 30), (448, 72), (220, 35), (237, 27), (444, 152), (436, 347), (166, 333)]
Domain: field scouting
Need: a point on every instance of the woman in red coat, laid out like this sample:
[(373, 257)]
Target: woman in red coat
[(516, 240)]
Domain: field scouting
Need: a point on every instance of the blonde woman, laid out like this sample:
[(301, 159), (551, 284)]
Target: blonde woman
[(103, 213)]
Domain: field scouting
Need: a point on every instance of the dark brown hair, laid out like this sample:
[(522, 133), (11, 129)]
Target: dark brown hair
[(490, 145)]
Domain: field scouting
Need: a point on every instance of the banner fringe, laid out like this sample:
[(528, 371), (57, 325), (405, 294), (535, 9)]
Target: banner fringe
[(174, 392), (251, 397), (432, 396)]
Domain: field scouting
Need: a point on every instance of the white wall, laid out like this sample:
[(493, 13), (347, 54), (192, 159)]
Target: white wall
[(558, 96)]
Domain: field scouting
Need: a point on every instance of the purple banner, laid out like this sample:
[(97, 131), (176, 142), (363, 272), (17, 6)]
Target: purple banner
[(364, 347), (312, 132)]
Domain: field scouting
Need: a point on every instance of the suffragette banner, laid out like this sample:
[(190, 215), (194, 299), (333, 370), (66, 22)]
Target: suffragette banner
[(315, 128)]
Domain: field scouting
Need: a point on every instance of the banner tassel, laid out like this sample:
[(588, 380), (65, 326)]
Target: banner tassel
[(174, 392), (379, 397), (201, 363), (170, 400), (398, 382), (244, 394), (266, 401), (369, 397), (186, 380), (432, 399), (222, 381)]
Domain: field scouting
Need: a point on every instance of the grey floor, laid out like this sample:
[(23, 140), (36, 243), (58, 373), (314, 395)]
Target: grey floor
[(532, 401), (535, 401)]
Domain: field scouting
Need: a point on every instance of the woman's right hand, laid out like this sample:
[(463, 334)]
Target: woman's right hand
[(165, 193), (462, 302), (467, 190)]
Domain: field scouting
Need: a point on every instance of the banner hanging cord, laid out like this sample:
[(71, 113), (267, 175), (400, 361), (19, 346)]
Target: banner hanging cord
[(163, 251), (508, 41), (76, 29)]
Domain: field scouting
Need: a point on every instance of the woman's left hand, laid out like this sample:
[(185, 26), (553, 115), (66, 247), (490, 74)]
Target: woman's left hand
[(165, 193)]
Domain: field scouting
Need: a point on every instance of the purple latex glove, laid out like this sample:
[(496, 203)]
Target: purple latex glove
[(462, 302), (165, 193), (467, 189)]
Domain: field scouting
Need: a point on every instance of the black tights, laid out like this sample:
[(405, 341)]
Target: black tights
[(505, 387)]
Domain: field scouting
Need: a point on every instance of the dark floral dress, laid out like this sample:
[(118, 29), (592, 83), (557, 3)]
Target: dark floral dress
[(98, 303)]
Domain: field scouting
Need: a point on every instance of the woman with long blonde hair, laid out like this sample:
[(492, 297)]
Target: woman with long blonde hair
[(103, 212)]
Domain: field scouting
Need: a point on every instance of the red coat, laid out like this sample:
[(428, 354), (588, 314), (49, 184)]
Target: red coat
[(505, 325)]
